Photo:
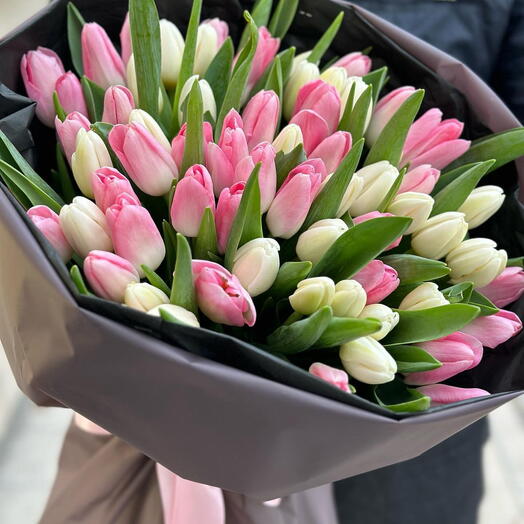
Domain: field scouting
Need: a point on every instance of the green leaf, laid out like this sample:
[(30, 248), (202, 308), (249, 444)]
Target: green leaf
[(327, 202), (78, 281), (286, 61), (169, 317), (94, 96), (456, 192), (260, 13), (32, 191), (391, 140), (183, 290), (377, 79), (486, 306), (75, 23), (219, 71), (412, 269), (412, 359), (300, 335), (448, 177), (358, 246), (286, 162), (326, 40), (66, 185), (155, 279), (345, 120), (459, 292), (274, 79), (428, 324), (247, 224), (503, 147), (515, 262), (188, 57), (355, 122), (395, 396), (288, 277), (237, 84), (342, 330), (193, 153), (59, 110), (170, 242), (206, 241), (283, 17), (392, 193)]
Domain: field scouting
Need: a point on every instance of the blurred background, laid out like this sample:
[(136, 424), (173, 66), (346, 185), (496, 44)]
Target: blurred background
[(31, 437)]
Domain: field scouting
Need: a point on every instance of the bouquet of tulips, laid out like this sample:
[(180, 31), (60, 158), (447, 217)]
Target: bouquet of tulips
[(273, 197)]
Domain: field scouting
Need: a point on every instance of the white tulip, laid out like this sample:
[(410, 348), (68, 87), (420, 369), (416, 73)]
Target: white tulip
[(144, 297), (482, 203), (172, 46), (417, 206), (289, 138), (313, 243), (353, 190), (349, 300), (182, 315), (385, 315), (312, 294), (208, 98), (425, 296), (206, 48)]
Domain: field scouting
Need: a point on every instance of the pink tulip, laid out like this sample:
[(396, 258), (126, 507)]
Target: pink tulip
[(494, 330), (444, 394), (378, 280), (333, 149), (40, 70), (108, 274), (221, 29), (355, 64), (314, 129), (220, 167), (335, 377), (227, 207), (193, 194), (457, 352), (118, 103), (233, 140), (70, 94), (267, 177), (294, 198), (260, 118), (386, 107), (102, 63), (267, 48), (68, 129), (220, 295), (422, 179), (321, 97), (48, 222), (134, 233), (434, 141), (506, 288), (377, 214), (108, 184), (178, 144), (148, 164), (125, 40)]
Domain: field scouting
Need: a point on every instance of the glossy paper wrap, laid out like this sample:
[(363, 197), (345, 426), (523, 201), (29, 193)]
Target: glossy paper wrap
[(210, 407)]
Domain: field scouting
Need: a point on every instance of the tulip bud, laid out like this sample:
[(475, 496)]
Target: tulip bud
[(457, 352), (377, 214), (182, 315), (289, 138), (256, 265), (208, 98), (349, 300), (422, 179), (353, 190), (206, 48), (40, 70), (377, 180), (135, 235), (172, 49), (294, 198), (125, 40), (312, 294), (227, 207), (416, 206), (506, 288), (368, 361), (233, 140), (260, 118), (193, 194), (220, 295), (425, 296), (476, 260), (144, 296), (304, 72), (378, 280), (48, 222), (178, 145), (298, 60), (91, 154), (133, 85), (68, 130), (70, 94), (355, 64), (385, 315), (333, 149), (102, 63), (313, 243), (439, 235), (493, 330), (109, 275), (482, 203), (267, 48), (221, 28), (108, 184), (442, 394), (148, 164), (335, 377), (144, 118), (85, 227), (314, 129), (118, 103)]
